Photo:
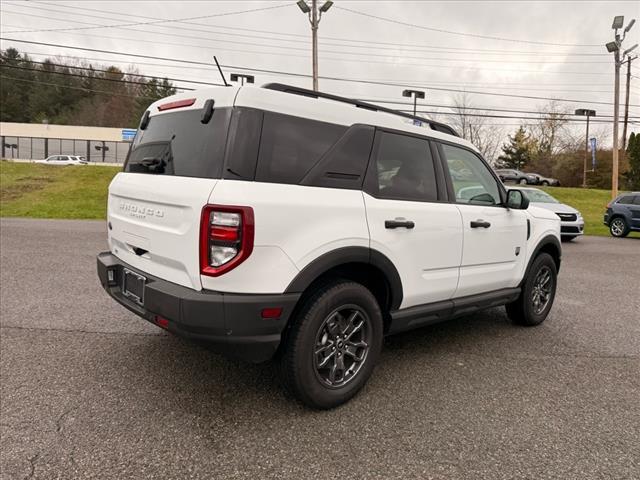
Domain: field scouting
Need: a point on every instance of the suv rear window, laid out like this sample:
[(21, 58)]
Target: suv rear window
[(177, 143)]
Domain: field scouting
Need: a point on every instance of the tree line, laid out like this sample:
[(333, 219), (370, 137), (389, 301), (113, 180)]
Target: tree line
[(74, 92)]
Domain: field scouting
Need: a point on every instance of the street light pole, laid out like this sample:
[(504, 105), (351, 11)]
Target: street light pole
[(315, 15), (614, 47), (585, 113), (416, 94)]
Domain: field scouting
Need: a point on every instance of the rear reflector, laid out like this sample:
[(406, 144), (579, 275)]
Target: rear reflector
[(273, 312), (177, 104), (162, 322)]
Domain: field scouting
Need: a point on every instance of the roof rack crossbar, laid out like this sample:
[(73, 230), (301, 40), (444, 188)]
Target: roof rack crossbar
[(281, 87)]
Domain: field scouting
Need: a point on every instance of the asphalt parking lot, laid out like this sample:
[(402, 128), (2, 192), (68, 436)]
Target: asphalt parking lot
[(90, 391)]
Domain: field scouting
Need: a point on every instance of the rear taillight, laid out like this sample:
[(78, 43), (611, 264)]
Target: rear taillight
[(226, 238)]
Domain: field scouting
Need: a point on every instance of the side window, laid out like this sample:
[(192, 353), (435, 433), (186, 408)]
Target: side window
[(636, 200), (345, 164), (291, 146), (404, 169), (472, 180), (626, 200)]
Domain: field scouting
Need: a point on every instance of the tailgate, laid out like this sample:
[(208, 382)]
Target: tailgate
[(155, 224)]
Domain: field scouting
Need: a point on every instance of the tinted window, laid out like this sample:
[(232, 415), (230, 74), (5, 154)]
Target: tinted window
[(345, 164), (291, 146), (636, 200), (471, 178), (403, 168), (626, 200), (177, 143), (243, 144)]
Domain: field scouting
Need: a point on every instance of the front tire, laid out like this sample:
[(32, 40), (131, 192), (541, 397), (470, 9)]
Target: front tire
[(618, 227), (568, 238), (333, 345), (538, 293)]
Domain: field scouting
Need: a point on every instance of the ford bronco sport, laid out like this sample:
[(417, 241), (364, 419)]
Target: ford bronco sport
[(283, 223)]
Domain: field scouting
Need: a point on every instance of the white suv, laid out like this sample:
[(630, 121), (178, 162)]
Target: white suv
[(278, 222)]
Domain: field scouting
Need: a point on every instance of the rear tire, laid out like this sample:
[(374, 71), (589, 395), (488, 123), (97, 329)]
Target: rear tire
[(538, 292), (333, 345), (523, 181), (618, 227), (545, 183)]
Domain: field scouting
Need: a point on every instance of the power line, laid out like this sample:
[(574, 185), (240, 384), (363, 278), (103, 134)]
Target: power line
[(372, 100), (124, 73), (75, 88), (494, 85), (302, 75), (301, 37), (460, 109), (77, 75), (462, 34), (225, 14), (289, 55)]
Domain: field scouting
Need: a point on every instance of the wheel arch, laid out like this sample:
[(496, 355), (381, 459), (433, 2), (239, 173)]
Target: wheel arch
[(548, 244), (364, 265)]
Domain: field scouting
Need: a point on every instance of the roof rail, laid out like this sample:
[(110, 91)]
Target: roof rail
[(281, 87)]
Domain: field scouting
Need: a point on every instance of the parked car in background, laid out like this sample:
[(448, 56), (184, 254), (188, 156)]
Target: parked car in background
[(547, 181), (623, 214), (63, 160), (571, 221), (516, 176)]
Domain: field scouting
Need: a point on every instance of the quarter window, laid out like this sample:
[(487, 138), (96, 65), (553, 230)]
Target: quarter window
[(404, 168), (291, 146), (472, 181)]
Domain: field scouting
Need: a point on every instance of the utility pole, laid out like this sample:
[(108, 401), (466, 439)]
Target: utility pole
[(315, 15), (585, 113), (626, 101), (614, 47)]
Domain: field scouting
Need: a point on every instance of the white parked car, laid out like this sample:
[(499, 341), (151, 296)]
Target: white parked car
[(283, 223), (63, 160), (571, 221)]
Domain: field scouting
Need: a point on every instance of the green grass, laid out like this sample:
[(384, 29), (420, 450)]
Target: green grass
[(590, 202), (47, 191)]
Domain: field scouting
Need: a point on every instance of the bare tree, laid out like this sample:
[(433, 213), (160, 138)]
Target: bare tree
[(472, 126)]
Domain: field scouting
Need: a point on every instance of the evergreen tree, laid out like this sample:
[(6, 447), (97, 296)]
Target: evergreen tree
[(517, 152), (633, 155)]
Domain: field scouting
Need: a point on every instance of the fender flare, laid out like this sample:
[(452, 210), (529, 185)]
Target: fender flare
[(544, 241), (345, 255)]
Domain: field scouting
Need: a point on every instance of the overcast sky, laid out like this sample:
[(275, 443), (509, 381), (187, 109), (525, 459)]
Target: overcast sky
[(538, 49)]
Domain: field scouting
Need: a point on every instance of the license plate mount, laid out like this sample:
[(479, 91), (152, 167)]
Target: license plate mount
[(133, 286)]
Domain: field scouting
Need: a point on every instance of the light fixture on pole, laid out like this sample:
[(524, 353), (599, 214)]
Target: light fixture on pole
[(416, 94), (242, 77), (315, 14), (583, 112), (615, 47)]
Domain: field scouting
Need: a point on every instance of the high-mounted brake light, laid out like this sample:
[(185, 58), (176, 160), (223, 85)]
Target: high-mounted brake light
[(177, 104), (226, 238)]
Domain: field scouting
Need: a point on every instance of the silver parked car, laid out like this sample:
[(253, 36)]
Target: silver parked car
[(571, 221), (63, 160)]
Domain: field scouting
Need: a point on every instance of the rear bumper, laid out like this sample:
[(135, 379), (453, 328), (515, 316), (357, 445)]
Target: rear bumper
[(231, 324)]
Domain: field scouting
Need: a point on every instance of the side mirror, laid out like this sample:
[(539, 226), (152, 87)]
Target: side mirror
[(517, 200)]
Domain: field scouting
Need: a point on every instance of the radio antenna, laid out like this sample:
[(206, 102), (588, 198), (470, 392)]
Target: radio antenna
[(220, 70)]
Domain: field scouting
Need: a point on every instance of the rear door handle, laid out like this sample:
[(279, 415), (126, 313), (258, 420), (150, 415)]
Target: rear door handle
[(399, 224), (480, 224)]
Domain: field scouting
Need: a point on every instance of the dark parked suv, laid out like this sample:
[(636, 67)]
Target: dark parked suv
[(623, 214)]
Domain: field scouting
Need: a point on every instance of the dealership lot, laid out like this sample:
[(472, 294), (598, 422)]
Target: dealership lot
[(91, 391)]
